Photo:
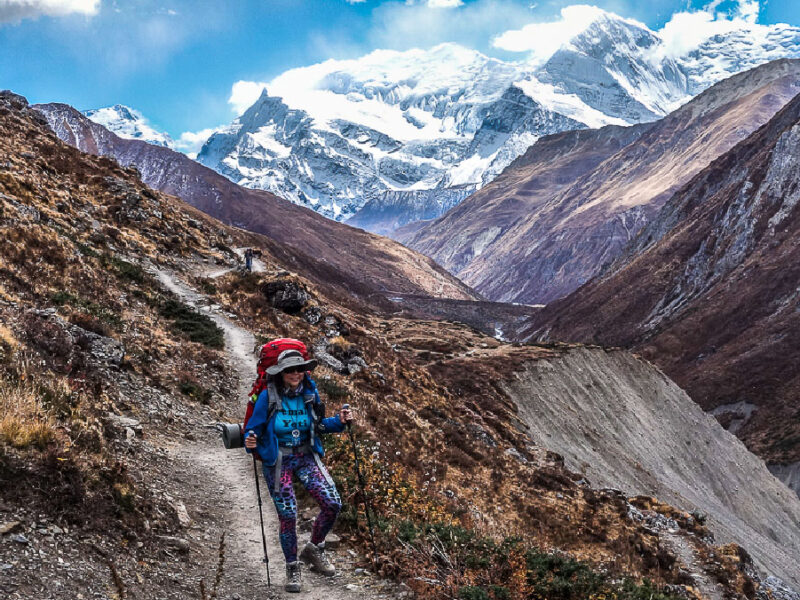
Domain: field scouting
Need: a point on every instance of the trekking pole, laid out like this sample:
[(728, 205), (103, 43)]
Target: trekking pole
[(363, 492), (261, 515)]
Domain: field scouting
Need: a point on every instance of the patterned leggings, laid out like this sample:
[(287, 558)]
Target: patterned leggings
[(313, 479)]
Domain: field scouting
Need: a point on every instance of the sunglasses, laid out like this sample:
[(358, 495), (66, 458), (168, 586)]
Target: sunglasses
[(297, 369)]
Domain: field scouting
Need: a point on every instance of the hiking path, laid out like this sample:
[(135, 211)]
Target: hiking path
[(224, 488)]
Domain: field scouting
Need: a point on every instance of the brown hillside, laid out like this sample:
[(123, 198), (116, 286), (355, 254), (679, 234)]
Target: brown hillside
[(111, 385), (710, 290), (552, 220)]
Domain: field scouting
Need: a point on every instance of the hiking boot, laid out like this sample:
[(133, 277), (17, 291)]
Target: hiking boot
[(292, 576), (315, 554)]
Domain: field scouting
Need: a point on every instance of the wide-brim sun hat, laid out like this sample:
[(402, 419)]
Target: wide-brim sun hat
[(291, 358)]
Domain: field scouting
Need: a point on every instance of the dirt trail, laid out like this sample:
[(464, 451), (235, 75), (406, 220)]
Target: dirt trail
[(258, 266), (226, 478), (688, 556)]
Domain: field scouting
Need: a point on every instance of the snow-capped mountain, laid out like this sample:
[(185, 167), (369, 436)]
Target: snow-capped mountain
[(344, 134), (128, 123), (336, 135)]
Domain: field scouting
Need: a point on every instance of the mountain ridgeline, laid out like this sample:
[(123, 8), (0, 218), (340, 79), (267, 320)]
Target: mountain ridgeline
[(369, 265), (358, 136), (105, 440), (711, 291), (573, 201)]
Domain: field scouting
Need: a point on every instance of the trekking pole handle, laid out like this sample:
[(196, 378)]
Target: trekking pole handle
[(349, 422)]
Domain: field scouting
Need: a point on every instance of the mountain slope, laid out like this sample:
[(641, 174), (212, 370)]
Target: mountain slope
[(545, 248), (698, 466), (125, 485), (376, 264), (129, 124), (710, 290), (524, 188), (351, 136)]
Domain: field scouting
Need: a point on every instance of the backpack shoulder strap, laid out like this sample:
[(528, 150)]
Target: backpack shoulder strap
[(274, 400)]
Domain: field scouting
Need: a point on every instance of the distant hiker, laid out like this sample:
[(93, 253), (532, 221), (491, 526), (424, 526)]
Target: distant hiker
[(248, 259), (284, 429)]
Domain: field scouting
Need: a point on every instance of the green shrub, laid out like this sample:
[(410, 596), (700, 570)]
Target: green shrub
[(470, 592), (125, 270), (87, 250), (97, 311), (556, 577), (500, 592), (196, 391), (195, 326), (208, 287), (407, 531), (333, 390)]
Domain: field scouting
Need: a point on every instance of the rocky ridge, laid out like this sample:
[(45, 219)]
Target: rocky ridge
[(711, 291), (573, 201)]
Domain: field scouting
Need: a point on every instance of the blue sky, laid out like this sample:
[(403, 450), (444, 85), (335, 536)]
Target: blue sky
[(176, 60)]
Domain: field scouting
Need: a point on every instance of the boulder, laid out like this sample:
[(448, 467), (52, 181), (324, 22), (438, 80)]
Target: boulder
[(286, 295)]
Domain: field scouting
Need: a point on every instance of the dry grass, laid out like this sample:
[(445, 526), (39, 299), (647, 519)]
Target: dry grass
[(8, 338), (341, 342), (25, 421)]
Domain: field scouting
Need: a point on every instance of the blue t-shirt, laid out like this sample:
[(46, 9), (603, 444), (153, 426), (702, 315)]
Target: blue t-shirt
[(292, 423)]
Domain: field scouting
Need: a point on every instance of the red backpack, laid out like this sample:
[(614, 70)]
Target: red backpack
[(267, 357)]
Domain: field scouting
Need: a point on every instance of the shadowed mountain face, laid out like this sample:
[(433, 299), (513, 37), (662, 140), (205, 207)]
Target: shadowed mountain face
[(574, 200), (709, 291), (368, 262)]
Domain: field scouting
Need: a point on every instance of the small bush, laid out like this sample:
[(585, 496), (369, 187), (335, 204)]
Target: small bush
[(125, 270), (125, 496), (470, 592), (333, 390), (194, 390), (92, 309), (24, 422), (208, 287), (195, 326), (87, 250), (500, 592)]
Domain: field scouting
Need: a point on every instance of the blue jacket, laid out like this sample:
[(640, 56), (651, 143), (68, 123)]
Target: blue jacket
[(262, 422)]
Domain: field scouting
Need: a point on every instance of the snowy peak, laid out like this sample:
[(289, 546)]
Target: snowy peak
[(737, 51), (344, 134), (129, 124)]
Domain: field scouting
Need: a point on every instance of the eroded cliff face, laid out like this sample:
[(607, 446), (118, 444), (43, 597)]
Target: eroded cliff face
[(624, 424)]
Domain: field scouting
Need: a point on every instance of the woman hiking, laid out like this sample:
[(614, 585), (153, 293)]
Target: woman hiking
[(284, 429)]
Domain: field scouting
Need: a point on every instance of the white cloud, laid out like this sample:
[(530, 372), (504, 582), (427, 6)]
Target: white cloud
[(444, 3), (685, 31), (191, 142), (244, 94), (355, 1), (414, 24), (16, 10), (543, 39)]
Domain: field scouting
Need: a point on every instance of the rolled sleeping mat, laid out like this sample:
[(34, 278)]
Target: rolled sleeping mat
[(232, 435)]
